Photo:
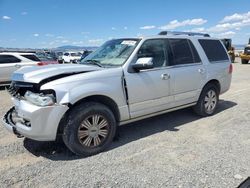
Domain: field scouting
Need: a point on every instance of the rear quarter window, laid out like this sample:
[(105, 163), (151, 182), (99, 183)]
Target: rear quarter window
[(214, 50), (31, 57)]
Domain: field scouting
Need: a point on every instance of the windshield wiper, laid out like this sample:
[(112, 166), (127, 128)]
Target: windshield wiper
[(93, 62)]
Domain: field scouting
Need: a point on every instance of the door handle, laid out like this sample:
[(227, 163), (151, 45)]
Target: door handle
[(202, 71), (165, 76), (17, 66)]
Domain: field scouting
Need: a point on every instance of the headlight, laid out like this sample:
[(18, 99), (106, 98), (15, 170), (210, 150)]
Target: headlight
[(40, 99)]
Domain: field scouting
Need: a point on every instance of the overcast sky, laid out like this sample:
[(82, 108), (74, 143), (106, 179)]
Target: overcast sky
[(53, 23)]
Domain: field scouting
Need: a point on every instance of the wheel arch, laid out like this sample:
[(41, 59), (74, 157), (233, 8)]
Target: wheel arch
[(102, 99), (214, 82)]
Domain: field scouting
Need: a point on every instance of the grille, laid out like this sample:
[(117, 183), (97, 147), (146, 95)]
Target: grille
[(18, 89)]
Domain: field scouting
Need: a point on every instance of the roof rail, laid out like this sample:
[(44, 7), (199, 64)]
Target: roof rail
[(183, 33), (18, 51)]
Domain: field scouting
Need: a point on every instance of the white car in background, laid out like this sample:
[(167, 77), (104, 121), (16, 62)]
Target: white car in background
[(70, 57), (11, 61)]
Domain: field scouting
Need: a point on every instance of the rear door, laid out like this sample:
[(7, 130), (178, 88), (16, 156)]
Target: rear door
[(188, 72), (8, 64)]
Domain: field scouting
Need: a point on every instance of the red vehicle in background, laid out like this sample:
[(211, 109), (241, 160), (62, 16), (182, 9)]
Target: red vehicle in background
[(46, 59)]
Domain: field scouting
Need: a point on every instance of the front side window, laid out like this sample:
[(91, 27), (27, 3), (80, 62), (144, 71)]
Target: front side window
[(66, 54), (214, 50), (154, 48), (183, 52), (112, 53), (4, 59)]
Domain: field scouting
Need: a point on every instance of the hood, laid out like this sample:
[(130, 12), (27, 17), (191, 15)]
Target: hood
[(36, 74)]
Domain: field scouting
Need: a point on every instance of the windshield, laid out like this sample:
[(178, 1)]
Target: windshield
[(112, 53)]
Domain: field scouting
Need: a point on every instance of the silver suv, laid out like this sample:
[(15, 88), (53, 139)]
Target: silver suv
[(125, 80)]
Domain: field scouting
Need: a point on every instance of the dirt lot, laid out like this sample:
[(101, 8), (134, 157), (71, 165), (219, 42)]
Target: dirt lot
[(178, 149)]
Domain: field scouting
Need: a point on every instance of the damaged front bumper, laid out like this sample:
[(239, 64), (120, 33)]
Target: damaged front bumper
[(34, 122), (8, 122)]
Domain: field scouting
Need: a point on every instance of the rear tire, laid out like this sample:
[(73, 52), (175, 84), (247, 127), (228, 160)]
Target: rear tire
[(208, 101), (90, 129), (244, 61)]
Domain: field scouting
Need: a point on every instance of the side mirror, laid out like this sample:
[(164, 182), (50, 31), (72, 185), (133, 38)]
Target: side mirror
[(143, 63)]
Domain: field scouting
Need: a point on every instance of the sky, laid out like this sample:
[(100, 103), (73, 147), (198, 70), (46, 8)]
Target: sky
[(53, 23)]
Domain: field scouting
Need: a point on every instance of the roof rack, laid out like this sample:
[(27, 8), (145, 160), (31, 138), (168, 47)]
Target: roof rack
[(183, 33)]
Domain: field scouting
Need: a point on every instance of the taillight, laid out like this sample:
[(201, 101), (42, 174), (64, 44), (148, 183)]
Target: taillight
[(42, 63), (230, 70)]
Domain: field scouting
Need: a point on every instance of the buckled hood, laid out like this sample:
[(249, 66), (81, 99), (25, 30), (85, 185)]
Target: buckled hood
[(36, 74)]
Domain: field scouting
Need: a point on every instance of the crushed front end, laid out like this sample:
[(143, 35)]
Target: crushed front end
[(35, 114)]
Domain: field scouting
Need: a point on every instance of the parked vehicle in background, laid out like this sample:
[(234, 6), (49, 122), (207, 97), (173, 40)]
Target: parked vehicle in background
[(59, 57), (11, 61), (123, 81), (70, 57), (245, 56), (84, 54), (46, 58), (230, 49)]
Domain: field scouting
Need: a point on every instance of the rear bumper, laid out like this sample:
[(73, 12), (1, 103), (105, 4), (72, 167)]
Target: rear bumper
[(244, 56), (37, 123)]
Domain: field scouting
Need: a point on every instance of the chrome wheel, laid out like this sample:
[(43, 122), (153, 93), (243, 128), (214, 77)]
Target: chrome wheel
[(93, 131), (210, 101)]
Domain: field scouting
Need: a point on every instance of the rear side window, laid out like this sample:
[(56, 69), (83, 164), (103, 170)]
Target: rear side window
[(214, 50), (183, 52), (31, 57), (4, 59)]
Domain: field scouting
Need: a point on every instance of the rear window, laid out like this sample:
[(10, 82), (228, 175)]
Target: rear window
[(8, 59), (183, 52), (31, 57), (214, 50)]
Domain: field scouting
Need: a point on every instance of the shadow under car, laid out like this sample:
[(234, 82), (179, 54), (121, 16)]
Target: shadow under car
[(125, 134)]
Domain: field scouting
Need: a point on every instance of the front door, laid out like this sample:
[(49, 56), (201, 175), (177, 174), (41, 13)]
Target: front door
[(149, 90)]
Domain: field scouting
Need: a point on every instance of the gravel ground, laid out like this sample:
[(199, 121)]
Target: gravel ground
[(178, 149)]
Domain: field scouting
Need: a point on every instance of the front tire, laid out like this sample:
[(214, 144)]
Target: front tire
[(208, 101), (90, 129)]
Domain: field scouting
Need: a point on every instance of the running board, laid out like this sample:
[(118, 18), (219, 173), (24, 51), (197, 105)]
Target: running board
[(156, 113)]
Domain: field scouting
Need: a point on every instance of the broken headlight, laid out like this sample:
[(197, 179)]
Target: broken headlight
[(40, 99)]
